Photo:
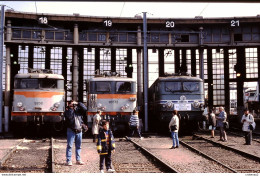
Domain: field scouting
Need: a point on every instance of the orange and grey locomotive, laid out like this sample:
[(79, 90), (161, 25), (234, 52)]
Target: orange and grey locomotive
[(183, 93), (115, 96), (38, 98)]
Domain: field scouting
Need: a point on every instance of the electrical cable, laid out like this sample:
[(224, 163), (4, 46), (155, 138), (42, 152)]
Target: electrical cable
[(122, 9)]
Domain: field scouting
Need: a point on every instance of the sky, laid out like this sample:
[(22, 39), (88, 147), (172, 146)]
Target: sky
[(130, 9)]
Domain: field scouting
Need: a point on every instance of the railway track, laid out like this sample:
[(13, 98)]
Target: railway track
[(238, 132), (130, 157), (234, 160), (29, 156)]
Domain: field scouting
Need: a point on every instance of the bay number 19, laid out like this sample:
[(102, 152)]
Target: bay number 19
[(107, 23)]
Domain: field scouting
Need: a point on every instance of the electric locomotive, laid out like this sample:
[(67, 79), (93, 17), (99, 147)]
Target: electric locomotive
[(180, 92), (115, 96), (38, 99)]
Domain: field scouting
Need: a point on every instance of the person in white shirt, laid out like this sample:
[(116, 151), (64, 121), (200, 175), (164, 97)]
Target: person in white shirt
[(95, 125), (247, 119), (174, 128)]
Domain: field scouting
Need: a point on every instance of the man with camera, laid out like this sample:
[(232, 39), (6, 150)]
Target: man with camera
[(74, 119)]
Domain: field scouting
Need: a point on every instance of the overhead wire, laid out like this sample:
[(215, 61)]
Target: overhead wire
[(35, 6), (204, 9), (122, 9)]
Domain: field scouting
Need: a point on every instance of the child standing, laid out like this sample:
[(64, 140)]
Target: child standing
[(105, 146)]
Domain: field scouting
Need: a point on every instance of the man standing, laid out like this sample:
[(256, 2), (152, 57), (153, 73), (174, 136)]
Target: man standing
[(134, 125), (174, 128), (95, 125), (247, 119), (74, 120), (221, 118)]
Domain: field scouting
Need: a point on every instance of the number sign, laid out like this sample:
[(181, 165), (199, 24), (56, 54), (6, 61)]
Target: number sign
[(107, 23), (234, 23), (43, 20), (169, 24)]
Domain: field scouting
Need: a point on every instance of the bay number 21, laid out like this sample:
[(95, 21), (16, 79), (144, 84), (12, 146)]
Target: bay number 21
[(234, 23)]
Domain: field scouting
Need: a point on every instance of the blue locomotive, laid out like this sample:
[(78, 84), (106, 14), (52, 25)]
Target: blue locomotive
[(180, 92)]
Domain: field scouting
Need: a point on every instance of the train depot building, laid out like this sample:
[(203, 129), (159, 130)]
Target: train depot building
[(223, 52)]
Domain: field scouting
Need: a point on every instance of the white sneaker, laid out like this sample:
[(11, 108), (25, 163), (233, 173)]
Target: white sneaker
[(80, 163), (101, 171), (141, 138), (111, 170), (69, 163)]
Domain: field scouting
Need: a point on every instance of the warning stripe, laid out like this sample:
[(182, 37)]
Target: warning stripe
[(115, 96), (110, 113), (38, 94), (35, 113)]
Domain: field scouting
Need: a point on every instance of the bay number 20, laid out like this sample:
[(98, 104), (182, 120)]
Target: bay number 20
[(169, 24)]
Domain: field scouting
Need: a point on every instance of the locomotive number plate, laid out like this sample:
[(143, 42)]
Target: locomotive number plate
[(182, 107)]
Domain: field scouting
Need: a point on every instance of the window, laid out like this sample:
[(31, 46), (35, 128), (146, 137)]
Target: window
[(26, 83), (172, 86), (190, 86), (218, 78), (49, 83), (103, 87), (123, 87), (251, 63), (38, 83)]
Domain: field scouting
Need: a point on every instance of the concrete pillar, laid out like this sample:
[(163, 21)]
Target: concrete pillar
[(7, 99), (226, 81), (139, 68), (161, 62), (8, 65), (201, 53), (75, 65), (113, 59)]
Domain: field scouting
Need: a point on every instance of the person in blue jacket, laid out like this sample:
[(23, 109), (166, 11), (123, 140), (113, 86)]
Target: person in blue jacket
[(74, 120), (221, 118), (105, 146)]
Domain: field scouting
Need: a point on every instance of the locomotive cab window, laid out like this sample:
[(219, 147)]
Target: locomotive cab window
[(123, 87), (38, 83), (103, 86), (26, 83), (190, 86), (172, 86), (49, 83)]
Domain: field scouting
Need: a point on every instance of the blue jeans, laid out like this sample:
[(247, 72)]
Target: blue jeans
[(71, 137), (175, 139)]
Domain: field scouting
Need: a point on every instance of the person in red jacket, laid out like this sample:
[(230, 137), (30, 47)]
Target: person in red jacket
[(105, 146)]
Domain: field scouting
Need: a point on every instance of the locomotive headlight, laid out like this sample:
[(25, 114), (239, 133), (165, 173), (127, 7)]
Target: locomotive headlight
[(132, 99), (196, 104), (168, 105), (127, 106), (19, 104), (56, 105), (99, 105)]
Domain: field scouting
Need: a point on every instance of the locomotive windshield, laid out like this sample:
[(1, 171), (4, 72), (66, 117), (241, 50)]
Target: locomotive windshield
[(103, 86), (38, 83), (123, 87), (173, 86), (181, 86), (191, 86)]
